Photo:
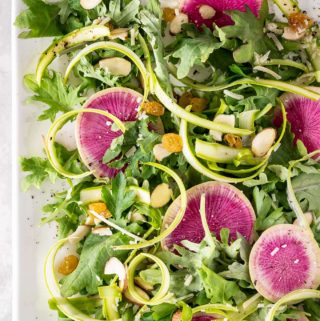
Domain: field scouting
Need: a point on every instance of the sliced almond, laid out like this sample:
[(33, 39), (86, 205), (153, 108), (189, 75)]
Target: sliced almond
[(161, 195), (160, 153), (229, 120), (139, 281), (115, 266), (131, 299), (207, 12), (137, 217), (120, 33), (116, 66), (177, 22), (102, 231), (89, 4), (79, 234), (293, 34), (308, 216), (263, 141)]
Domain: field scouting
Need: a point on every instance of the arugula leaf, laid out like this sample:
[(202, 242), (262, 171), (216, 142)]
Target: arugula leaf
[(118, 199), (268, 214), (39, 170), (250, 30), (54, 93), (219, 290), (40, 18), (124, 16), (151, 24), (95, 253), (307, 187), (161, 312), (194, 51), (87, 70)]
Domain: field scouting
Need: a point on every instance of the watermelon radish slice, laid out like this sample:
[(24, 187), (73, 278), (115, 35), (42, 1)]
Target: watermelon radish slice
[(205, 317), (196, 10), (94, 133), (304, 116), (285, 258), (226, 207)]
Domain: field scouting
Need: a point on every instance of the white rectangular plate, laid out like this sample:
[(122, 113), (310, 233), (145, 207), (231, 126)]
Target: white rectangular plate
[(30, 242)]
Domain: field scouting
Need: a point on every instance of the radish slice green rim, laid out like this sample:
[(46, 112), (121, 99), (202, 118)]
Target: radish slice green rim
[(292, 199), (276, 84), (175, 222), (52, 285), (57, 125), (162, 295), (292, 298), (116, 47), (70, 40)]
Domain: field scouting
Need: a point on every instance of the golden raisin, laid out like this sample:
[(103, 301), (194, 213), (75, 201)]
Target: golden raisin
[(198, 104), (300, 21), (185, 99), (100, 208), (153, 108), (109, 25), (233, 140), (172, 143), (168, 14), (68, 264)]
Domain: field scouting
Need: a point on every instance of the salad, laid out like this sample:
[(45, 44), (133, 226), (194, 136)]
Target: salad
[(193, 190)]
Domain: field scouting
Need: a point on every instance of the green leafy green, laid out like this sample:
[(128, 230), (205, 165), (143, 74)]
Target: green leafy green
[(307, 187), (118, 199), (152, 26), (95, 253), (54, 93), (194, 51), (39, 170), (250, 30), (123, 16), (219, 290), (41, 19)]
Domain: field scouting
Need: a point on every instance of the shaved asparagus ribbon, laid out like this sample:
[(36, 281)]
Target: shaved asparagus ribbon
[(292, 199), (292, 298), (280, 85), (58, 124), (266, 157), (72, 39), (116, 47), (162, 295), (175, 222), (197, 165), (52, 284)]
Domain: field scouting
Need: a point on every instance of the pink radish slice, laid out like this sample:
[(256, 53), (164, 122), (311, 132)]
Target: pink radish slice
[(226, 207), (94, 134), (304, 116), (205, 317), (191, 8), (285, 258)]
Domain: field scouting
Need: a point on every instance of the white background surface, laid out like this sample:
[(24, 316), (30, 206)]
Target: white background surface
[(32, 302), (5, 161)]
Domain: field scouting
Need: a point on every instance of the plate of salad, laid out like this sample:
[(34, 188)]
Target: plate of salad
[(168, 160)]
